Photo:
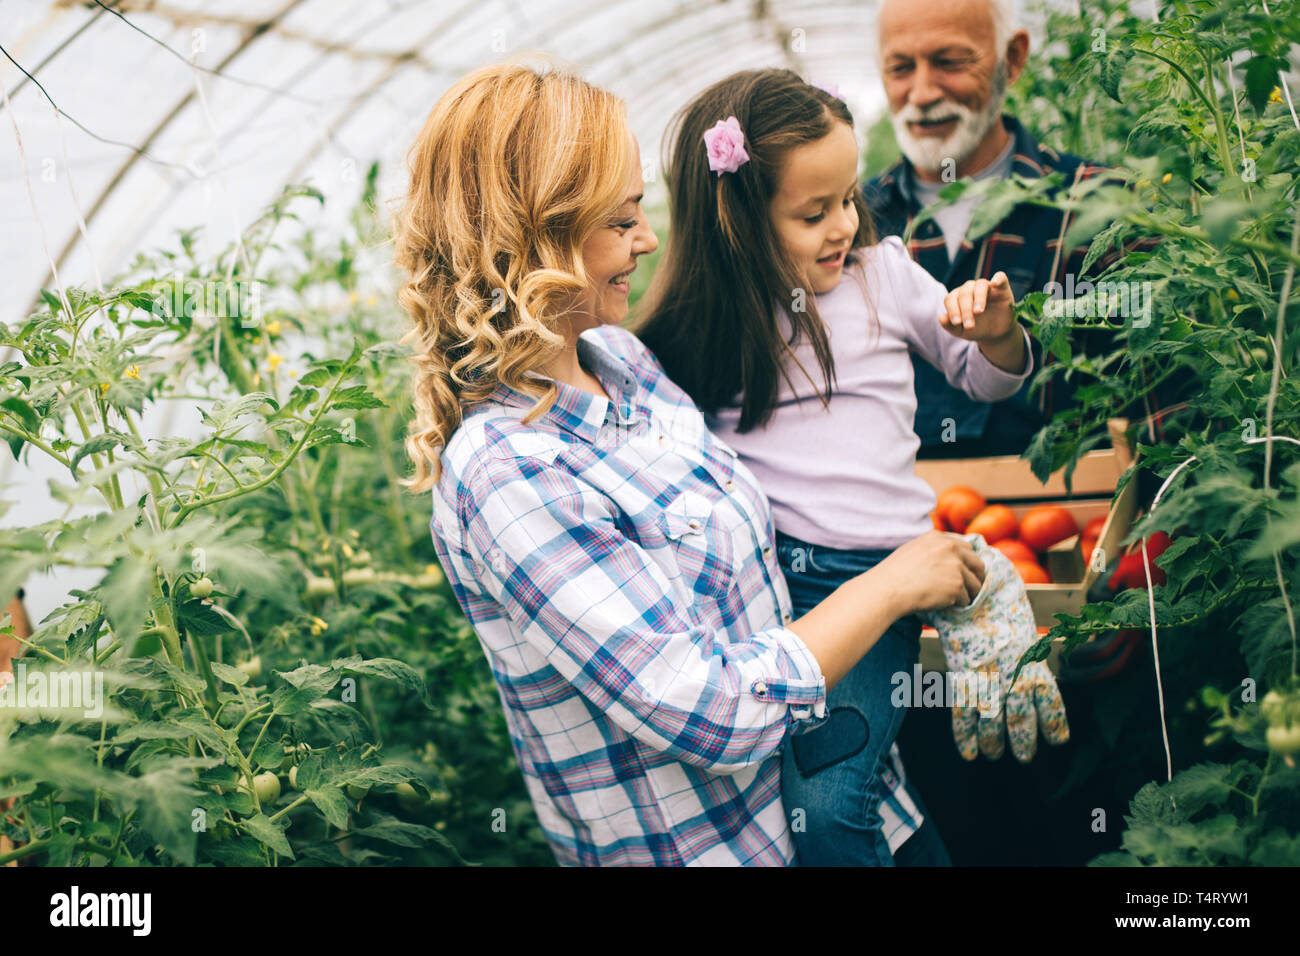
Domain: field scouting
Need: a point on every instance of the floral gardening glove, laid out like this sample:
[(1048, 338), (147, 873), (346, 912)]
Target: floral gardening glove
[(982, 643)]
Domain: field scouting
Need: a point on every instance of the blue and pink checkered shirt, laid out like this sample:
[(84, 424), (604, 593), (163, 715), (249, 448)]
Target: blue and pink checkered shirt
[(616, 561)]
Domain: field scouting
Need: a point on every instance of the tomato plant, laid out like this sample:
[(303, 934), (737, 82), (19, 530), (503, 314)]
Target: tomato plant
[(1191, 109), (222, 656)]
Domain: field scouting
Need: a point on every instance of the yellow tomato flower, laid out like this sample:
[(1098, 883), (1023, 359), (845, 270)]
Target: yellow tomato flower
[(133, 372), (354, 297), (1276, 95), (371, 300), (1166, 177), (103, 388), (274, 360), (293, 373), (1232, 294), (347, 551), (273, 327)]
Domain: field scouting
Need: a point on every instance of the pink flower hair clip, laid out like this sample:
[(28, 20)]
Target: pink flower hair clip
[(726, 146)]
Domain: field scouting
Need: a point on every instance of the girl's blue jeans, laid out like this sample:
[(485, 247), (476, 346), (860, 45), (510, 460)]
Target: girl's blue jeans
[(833, 772)]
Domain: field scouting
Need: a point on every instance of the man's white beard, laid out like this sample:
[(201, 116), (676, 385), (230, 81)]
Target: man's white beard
[(929, 152)]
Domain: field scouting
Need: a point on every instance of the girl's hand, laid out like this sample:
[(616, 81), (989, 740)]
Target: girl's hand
[(980, 309), (935, 570)]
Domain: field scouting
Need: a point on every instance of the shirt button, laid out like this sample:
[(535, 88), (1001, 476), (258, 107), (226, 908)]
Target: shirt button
[(786, 617), (760, 688), (663, 440), (694, 525), (767, 552), (730, 485)]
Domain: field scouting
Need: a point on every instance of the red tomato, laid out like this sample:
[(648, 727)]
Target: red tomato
[(958, 505), (1032, 573), (938, 522), (1045, 525), (1017, 550), (996, 523)]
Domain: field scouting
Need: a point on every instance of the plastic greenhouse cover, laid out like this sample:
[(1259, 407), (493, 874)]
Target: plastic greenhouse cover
[(175, 114)]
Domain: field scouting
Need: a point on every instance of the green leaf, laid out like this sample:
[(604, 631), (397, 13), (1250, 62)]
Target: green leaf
[(125, 592), (31, 421), (387, 669), (236, 852), (1261, 78), (330, 801), (316, 378), (268, 833), (269, 754), (223, 413), (356, 396), (306, 684), (185, 729), (200, 619), (231, 675), (1112, 71), (398, 832)]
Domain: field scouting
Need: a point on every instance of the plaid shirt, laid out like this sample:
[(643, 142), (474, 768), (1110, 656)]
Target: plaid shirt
[(617, 563), (1026, 244)]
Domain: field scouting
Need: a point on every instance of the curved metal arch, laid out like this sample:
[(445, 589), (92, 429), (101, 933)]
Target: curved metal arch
[(107, 189)]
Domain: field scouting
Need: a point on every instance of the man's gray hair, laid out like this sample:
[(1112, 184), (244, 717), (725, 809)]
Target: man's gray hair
[(1006, 21)]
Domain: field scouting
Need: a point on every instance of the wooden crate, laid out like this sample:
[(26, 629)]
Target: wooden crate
[(1009, 481)]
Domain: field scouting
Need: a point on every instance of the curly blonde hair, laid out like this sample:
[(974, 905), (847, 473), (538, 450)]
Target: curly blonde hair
[(515, 167)]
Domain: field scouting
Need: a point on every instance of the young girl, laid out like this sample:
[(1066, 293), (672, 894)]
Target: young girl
[(772, 271)]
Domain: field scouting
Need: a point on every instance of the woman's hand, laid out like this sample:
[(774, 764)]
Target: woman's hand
[(935, 570)]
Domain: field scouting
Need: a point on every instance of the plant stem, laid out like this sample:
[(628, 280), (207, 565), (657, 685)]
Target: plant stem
[(275, 473)]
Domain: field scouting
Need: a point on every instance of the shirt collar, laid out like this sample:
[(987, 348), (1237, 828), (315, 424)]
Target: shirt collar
[(579, 412), (1027, 160)]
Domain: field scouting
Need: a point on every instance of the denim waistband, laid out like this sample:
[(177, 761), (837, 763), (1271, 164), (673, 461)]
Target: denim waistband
[(870, 555)]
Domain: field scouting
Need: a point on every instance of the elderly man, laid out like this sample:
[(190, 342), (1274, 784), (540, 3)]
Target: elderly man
[(947, 65)]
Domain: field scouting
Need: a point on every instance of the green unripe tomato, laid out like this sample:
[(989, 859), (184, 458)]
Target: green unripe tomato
[(361, 557), (1284, 740), (319, 587), (293, 778), (252, 667), (358, 575), (267, 787), (202, 587), (1262, 356), (356, 792), (409, 798), (1271, 706)]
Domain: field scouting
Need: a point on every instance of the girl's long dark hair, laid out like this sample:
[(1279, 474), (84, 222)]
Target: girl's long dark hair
[(710, 312)]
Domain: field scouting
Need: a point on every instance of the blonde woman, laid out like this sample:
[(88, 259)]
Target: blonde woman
[(614, 558)]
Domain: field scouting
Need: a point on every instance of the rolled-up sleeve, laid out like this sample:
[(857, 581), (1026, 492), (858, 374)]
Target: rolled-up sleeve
[(606, 615)]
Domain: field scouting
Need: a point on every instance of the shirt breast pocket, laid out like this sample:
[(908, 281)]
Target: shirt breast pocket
[(702, 543)]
